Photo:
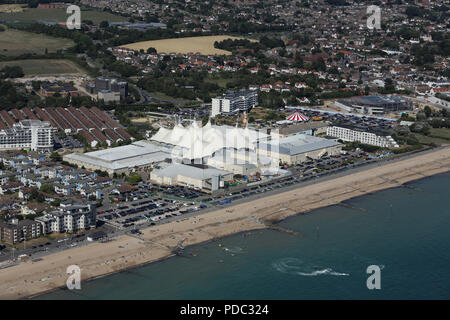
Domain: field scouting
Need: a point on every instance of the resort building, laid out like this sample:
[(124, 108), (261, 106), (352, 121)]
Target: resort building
[(298, 148), (125, 159), (376, 138), (206, 179), (234, 101), (195, 143), (28, 134)]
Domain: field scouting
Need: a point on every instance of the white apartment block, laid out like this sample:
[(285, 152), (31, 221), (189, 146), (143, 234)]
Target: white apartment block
[(234, 102), (353, 134), (69, 218), (33, 134)]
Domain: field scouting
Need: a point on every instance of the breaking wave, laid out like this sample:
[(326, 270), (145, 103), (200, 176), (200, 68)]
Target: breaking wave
[(298, 267), (234, 249), (321, 272)]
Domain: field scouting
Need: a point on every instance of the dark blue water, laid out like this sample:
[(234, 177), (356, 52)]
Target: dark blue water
[(405, 231)]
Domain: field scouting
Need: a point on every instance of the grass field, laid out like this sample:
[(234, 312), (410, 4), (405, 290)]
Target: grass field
[(439, 136), (45, 67), (60, 15), (203, 45), (11, 8), (15, 42)]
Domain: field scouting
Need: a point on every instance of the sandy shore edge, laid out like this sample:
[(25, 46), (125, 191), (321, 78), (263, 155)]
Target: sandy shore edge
[(100, 259)]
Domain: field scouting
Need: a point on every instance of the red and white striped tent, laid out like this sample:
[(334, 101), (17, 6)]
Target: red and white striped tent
[(297, 116)]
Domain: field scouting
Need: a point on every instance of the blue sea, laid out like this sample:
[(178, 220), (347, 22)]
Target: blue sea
[(405, 231)]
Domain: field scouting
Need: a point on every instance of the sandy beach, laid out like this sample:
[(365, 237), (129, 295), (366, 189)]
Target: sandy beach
[(30, 278)]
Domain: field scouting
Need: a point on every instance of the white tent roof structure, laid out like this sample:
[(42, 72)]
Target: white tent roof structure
[(194, 141)]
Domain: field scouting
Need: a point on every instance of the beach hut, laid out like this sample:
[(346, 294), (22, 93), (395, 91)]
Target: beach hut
[(297, 116)]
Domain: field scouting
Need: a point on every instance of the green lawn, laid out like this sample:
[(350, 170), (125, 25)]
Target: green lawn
[(60, 15), (442, 133), (162, 96), (221, 82), (45, 67), (15, 42), (439, 136)]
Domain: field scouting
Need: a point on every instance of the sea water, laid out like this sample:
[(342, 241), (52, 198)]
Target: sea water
[(404, 231)]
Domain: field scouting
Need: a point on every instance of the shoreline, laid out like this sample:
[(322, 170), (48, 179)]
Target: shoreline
[(31, 279), (144, 264)]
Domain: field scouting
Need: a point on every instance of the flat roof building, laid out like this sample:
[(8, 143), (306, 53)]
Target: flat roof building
[(375, 104), (108, 96), (50, 89), (206, 179), (311, 128), (138, 155), (298, 148), (16, 231)]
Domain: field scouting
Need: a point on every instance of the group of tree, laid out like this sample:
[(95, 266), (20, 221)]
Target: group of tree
[(11, 72), (11, 96)]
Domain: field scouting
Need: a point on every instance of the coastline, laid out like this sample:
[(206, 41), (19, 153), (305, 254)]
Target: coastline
[(101, 259)]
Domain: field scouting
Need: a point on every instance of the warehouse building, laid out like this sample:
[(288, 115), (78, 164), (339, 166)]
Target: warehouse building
[(375, 104), (311, 128), (206, 179), (298, 148), (125, 159)]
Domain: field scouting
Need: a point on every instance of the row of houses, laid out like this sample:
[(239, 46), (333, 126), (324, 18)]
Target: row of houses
[(25, 172)]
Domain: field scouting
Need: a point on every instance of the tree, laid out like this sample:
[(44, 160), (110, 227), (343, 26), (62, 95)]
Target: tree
[(55, 156), (133, 178), (47, 188), (11, 72), (427, 111), (104, 24)]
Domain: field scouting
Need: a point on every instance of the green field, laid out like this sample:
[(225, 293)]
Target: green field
[(60, 15), (14, 42), (439, 136), (45, 67)]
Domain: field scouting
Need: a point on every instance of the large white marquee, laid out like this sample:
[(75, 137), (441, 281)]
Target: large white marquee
[(194, 141)]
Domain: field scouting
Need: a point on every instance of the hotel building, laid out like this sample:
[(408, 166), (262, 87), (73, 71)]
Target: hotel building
[(374, 138), (33, 134), (233, 102)]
